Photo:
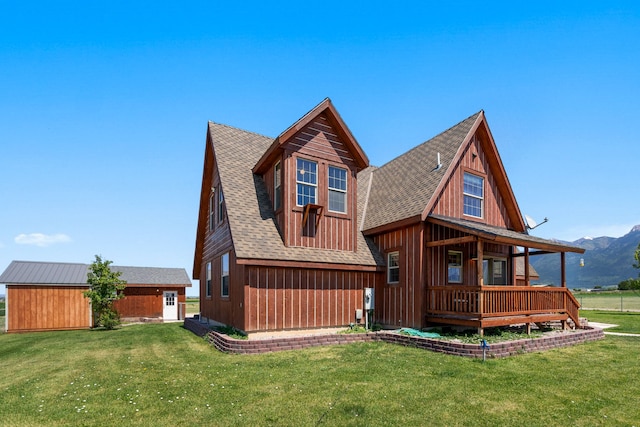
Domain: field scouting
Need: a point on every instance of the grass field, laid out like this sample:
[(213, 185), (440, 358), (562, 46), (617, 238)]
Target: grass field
[(193, 306), (161, 374), (610, 300), (627, 322)]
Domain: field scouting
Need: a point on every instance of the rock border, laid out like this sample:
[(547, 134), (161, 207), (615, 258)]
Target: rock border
[(226, 344)]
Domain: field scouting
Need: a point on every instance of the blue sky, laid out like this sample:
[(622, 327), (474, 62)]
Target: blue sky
[(104, 106)]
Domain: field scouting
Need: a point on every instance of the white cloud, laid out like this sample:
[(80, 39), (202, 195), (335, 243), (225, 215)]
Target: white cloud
[(41, 240)]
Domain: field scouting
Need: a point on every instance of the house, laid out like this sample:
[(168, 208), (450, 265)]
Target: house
[(49, 295), (292, 229)]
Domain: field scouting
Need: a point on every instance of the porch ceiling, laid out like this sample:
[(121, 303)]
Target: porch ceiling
[(502, 235)]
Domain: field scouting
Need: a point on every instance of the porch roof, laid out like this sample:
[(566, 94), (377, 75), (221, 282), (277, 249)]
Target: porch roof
[(503, 235)]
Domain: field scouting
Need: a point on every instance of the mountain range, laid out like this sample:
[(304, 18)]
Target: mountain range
[(607, 261)]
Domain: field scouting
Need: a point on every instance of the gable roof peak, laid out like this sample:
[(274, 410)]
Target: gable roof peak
[(404, 186), (340, 127)]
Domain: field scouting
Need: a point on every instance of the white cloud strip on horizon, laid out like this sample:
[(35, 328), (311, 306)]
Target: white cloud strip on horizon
[(41, 240)]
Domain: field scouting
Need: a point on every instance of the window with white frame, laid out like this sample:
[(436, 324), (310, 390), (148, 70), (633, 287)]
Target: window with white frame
[(337, 189), (494, 271), (454, 264), (208, 281), (473, 195), (306, 182), (277, 187), (212, 210), (393, 267), (220, 205), (224, 282)]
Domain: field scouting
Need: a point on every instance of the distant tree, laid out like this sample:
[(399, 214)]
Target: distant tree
[(105, 287), (629, 284), (637, 258)]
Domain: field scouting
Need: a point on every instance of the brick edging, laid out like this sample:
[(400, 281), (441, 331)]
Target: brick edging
[(227, 344)]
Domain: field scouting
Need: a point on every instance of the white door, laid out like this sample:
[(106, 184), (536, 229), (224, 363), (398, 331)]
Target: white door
[(170, 301)]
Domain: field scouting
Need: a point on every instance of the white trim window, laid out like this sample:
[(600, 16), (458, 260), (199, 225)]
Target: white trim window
[(393, 267), (208, 281), (224, 276), (494, 271), (220, 205), (454, 267), (473, 195), (277, 187), (212, 210), (306, 182), (337, 189)]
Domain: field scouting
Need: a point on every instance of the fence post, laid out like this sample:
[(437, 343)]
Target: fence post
[(620, 302)]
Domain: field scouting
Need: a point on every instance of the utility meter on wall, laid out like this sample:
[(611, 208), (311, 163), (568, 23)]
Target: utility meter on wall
[(368, 299)]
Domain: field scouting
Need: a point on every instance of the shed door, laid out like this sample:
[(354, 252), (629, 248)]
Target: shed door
[(170, 305)]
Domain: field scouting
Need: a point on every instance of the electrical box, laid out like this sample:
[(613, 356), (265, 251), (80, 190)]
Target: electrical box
[(368, 299), (358, 314)]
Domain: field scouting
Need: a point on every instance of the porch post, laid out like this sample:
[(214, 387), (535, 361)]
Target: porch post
[(527, 280), (480, 280), (563, 270)]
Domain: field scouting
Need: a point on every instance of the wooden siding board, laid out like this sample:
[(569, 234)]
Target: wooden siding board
[(298, 298), (33, 308)]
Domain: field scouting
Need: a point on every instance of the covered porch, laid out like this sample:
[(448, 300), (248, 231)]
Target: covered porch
[(479, 298)]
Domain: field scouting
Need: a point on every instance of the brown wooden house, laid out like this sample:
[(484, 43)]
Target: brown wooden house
[(292, 229), (49, 295)]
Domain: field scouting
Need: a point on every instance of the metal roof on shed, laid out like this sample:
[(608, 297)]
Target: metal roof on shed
[(75, 274)]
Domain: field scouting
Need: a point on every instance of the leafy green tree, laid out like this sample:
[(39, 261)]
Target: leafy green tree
[(629, 284), (105, 287), (637, 257)]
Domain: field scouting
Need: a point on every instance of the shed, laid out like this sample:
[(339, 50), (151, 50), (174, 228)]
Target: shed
[(49, 295)]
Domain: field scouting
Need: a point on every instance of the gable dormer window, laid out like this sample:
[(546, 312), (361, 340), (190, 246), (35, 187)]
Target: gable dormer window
[(306, 182), (473, 195), (337, 189)]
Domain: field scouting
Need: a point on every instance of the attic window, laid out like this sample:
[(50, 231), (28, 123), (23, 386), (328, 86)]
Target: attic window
[(473, 195), (307, 182)]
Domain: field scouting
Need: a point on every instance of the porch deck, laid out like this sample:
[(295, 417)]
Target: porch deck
[(490, 306)]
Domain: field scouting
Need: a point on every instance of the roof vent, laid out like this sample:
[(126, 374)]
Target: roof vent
[(439, 165)]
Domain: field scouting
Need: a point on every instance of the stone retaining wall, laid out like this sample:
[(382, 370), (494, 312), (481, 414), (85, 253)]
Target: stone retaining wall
[(227, 344)]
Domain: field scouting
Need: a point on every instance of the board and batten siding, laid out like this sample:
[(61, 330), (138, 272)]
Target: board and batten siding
[(228, 310), (40, 308), (400, 304), (450, 201), (145, 301), (278, 298), (317, 142)]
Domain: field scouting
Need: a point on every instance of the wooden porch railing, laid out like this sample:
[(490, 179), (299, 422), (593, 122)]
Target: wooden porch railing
[(500, 301)]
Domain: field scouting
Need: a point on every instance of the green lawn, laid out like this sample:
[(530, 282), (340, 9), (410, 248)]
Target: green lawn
[(627, 322), (161, 374)]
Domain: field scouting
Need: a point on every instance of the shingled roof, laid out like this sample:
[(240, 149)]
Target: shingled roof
[(403, 187), (75, 274), (249, 211)]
